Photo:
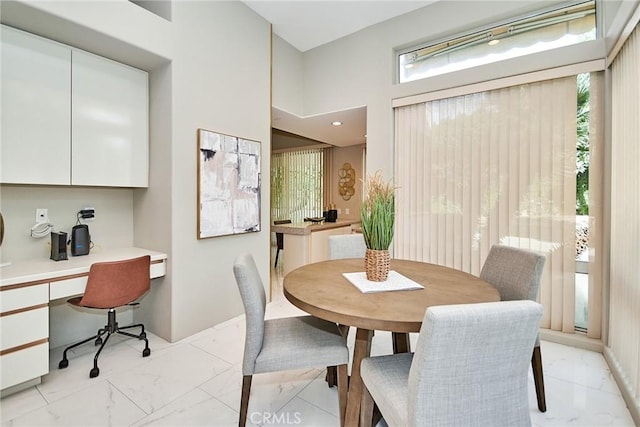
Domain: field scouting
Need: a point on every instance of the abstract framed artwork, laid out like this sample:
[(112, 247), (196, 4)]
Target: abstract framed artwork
[(228, 185)]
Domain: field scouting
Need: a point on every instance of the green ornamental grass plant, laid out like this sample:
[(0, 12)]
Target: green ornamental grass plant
[(378, 212)]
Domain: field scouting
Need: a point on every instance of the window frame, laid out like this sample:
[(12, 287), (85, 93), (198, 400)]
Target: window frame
[(483, 30)]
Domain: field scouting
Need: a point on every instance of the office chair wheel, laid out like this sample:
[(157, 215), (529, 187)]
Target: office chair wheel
[(94, 373), (98, 341), (146, 352), (63, 364)]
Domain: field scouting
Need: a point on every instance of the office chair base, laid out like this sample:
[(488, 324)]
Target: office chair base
[(110, 328)]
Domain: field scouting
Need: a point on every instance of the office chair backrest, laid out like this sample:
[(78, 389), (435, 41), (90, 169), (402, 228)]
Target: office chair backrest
[(346, 246), (254, 301), (116, 283), (471, 363), (514, 272)]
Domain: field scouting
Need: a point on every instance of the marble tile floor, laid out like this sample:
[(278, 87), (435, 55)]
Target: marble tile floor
[(197, 381)]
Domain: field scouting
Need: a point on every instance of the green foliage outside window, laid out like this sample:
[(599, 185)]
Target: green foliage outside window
[(582, 155)]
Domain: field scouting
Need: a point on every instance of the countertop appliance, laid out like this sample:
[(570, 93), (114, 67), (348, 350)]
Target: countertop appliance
[(58, 246), (80, 240)]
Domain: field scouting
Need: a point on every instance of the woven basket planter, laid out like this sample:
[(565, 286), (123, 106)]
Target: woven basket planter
[(376, 264)]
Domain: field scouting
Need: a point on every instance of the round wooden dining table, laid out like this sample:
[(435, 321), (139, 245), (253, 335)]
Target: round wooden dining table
[(321, 289)]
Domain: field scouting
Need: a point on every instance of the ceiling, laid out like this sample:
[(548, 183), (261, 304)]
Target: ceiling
[(307, 24), (319, 127)]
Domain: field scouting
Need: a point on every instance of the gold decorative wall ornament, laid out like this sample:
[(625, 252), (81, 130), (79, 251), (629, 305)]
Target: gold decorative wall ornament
[(347, 181)]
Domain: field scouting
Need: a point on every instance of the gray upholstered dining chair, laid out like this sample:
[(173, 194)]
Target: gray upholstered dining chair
[(286, 343), (516, 274), (346, 246), (342, 246), (470, 368)]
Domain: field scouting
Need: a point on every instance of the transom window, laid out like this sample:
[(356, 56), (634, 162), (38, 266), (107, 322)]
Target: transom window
[(542, 31)]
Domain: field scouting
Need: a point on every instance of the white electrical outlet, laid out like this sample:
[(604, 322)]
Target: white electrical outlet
[(346, 211), (42, 215)]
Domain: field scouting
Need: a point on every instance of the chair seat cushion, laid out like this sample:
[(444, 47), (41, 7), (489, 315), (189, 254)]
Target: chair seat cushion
[(75, 301), (300, 342), (387, 379)]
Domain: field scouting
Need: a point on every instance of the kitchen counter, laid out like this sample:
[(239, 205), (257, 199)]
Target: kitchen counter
[(306, 242), (304, 228)]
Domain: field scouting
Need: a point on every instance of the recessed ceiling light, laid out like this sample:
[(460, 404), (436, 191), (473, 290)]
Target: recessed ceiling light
[(336, 123)]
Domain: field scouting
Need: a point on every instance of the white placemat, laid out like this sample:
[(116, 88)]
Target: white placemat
[(395, 282)]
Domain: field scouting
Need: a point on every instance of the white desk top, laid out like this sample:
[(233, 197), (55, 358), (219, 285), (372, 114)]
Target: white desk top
[(45, 269)]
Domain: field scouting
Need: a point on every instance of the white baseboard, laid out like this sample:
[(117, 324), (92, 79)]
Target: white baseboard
[(623, 384), (573, 340)]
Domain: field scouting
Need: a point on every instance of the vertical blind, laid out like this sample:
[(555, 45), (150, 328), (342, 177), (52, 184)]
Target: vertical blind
[(624, 316), (493, 167), (296, 184), (596, 184)]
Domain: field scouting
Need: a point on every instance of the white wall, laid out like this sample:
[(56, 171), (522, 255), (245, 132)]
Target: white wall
[(209, 68), (112, 227), (221, 82), (155, 202), (287, 82), (354, 156)]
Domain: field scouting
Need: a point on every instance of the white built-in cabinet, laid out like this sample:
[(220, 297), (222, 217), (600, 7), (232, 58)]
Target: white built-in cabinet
[(70, 117), (24, 324), (36, 110), (109, 117)]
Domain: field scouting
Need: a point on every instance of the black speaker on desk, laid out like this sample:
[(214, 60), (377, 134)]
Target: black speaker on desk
[(58, 246), (80, 240)]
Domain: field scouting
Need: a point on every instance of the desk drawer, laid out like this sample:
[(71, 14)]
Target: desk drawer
[(157, 269), (23, 328), (27, 296), (67, 287), (24, 365)]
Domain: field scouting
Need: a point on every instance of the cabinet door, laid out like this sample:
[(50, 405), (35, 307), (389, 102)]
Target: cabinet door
[(110, 137), (24, 365), (24, 333), (36, 109)]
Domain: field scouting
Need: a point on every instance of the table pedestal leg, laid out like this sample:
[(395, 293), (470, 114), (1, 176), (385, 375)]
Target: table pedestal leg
[(401, 342), (361, 350), (331, 377)]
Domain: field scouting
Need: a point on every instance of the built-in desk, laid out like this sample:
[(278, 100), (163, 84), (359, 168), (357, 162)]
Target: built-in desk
[(25, 291), (306, 242)]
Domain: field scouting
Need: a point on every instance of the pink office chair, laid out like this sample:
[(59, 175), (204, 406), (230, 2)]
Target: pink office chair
[(111, 285)]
